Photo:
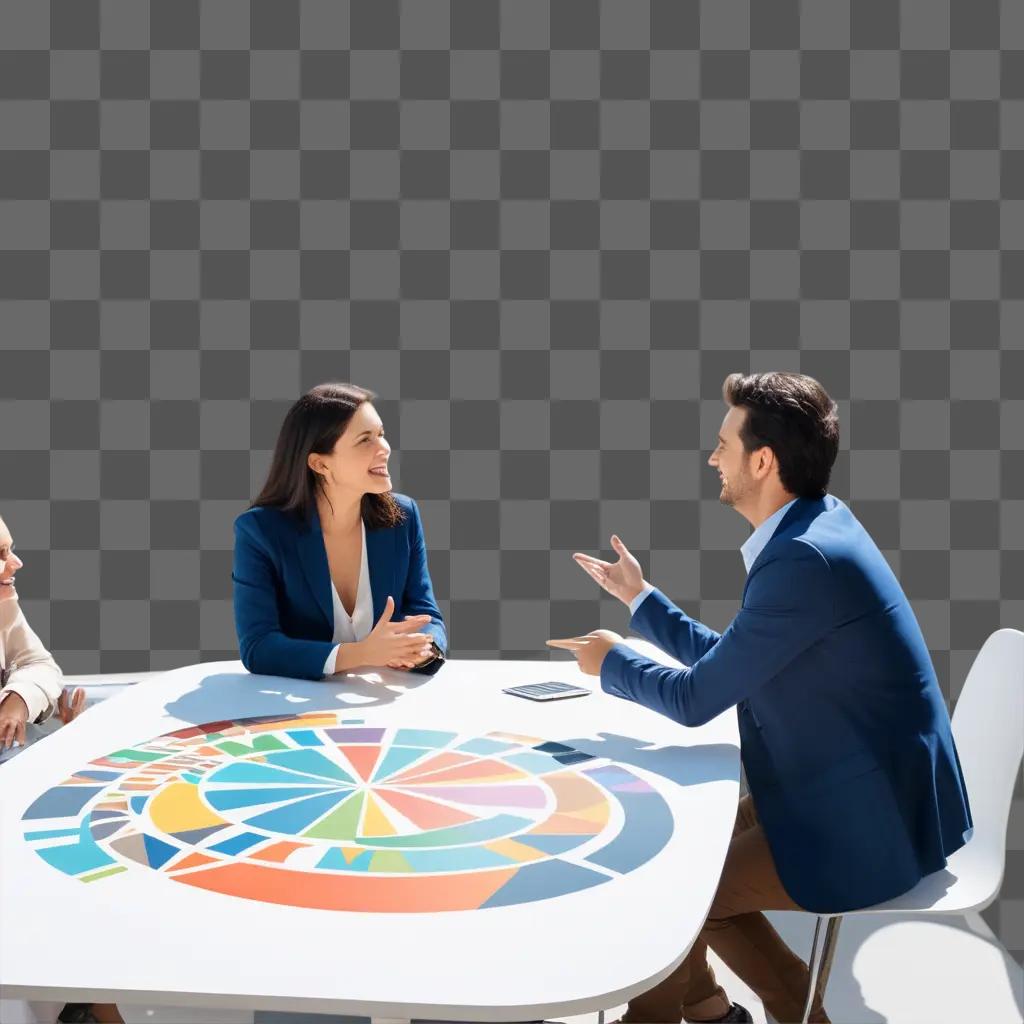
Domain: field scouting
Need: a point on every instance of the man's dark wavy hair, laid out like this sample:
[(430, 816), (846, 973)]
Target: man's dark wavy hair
[(793, 415)]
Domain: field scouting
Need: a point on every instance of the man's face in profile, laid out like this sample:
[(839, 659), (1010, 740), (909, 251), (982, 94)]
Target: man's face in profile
[(731, 460)]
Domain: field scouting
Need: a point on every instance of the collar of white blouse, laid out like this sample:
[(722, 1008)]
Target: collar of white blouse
[(349, 628)]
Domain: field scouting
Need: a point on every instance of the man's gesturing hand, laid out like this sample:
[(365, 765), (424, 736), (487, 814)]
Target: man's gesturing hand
[(589, 650), (623, 579)]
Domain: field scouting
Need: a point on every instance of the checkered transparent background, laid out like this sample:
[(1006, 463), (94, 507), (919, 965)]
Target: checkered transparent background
[(544, 232)]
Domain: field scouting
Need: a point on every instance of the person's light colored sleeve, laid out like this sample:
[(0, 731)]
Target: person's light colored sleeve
[(34, 675), (640, 598), (329, 663)]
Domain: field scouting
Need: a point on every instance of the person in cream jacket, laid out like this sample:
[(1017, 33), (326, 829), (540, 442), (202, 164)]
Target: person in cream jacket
[(31, 682)]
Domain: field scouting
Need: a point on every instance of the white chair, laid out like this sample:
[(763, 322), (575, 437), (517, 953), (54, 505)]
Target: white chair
[(988, 728)]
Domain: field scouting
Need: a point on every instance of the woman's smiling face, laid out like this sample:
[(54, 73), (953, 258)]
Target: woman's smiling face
[(359, 460), (10, 563)]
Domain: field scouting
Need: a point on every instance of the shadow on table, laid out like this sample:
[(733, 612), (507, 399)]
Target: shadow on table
[(225, 695), (686, 766)]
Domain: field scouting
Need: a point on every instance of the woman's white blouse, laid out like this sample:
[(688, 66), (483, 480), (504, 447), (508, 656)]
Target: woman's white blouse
[(348, 629)]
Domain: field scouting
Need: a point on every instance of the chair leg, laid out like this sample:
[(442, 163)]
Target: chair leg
[(820, 963)]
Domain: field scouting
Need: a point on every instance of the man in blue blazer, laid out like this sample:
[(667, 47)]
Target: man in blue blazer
[(856, 791)]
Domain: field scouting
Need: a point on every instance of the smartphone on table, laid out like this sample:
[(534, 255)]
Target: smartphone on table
[(547, 691)]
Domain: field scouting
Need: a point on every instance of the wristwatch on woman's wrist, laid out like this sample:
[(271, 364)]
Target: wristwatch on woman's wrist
[(435, 650)]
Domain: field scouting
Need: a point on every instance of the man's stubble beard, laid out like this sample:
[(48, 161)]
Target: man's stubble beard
[(731, 494)]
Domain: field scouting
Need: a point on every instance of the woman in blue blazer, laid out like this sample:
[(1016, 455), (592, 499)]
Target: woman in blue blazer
[(330, 569)]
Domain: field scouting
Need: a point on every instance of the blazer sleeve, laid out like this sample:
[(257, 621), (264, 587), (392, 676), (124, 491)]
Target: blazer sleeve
[(787, 608), (666, 626), (418, 596), (264, 647), (34, 675)]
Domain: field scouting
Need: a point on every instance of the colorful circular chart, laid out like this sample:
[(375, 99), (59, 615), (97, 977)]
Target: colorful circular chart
[(328, 812)]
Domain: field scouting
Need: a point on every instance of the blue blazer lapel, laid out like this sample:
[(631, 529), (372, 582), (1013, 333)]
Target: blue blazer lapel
[(313, 558), (380, 551)]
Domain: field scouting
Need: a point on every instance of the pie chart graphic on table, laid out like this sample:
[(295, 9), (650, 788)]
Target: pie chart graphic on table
[(329, 812)]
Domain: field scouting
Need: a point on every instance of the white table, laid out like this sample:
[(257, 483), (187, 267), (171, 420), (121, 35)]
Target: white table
[(626, 859)]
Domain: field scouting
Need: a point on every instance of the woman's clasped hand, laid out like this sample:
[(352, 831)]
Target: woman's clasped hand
[(390, 643)]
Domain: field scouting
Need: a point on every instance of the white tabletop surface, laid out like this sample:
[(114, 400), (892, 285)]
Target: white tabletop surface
[(137, 936)]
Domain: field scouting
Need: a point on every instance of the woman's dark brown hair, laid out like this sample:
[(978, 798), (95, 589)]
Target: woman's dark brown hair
[(314, 424), (793, 415)]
